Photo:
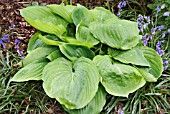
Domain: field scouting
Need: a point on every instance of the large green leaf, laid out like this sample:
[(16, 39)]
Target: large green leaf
[(95, 106), (54, 55), (154, 60), (73, 51), (118, 79), (99, 14), (43, 19), (34, 43), (37, 54), (33, 71), (83, 34), (49, 41), (63, 11), (145, 73), (117, 34), (73, 40), (134, 56), (73, 84), (80, 14)]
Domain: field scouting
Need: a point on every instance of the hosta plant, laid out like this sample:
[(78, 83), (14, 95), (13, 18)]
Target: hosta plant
[(81, 55)]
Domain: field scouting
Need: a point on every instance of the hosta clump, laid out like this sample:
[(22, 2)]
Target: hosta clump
[(83, 54)]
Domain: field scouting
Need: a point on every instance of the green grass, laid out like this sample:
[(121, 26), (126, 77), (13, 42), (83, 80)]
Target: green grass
[(26, 97), (151, 99)]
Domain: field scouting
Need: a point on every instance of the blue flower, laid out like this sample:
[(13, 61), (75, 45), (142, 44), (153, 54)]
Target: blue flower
[(166, 14), (160, 52), (17, 41), (16, 47), (121, 111), (165, 62), (163, 6), (120, 6), (169, 30), (153, 30), (5, 38), (149, 37), (163, 34), (165, 67), (158, 9), (2, 43), (160, 27)]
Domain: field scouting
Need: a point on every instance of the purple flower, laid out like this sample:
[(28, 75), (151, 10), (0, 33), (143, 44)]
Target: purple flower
[(160, 52), (158, 9), (158, 44), (160, 27), (20, 52), (17, 41), (121, 111), (145, 42), (16, 47), (149, 37), (144, 37), (163, 6), (140, 18), (140, 27), (163, 34), (166, 14), (165, 62), (2, 43), (121, 5), (169, 30), (5, 38), (118, 14), (153, 30), (165, 67)]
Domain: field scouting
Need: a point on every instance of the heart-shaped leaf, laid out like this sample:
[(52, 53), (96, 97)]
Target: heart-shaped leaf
[(54, 55), (37, 54), (44, 20), (83, 34), (95, 106), (73, 84), (117, 34), (63, 11), (154, 60), (134, 56), (33, 71), (118, 79)]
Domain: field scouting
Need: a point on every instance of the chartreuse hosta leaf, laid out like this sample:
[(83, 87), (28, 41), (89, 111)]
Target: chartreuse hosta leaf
[(83, 34), (80, 14), (99, 14), (54, 55), (120, 34), (95, 106), (63, 11), (73, 84), (49, 41), (134, 56), (37, 54), (32, 71), (72, 51), (44, 20), (118, 79), (155, 61)]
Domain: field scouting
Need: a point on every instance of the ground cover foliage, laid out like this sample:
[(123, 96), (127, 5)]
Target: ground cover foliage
[(151, 98)]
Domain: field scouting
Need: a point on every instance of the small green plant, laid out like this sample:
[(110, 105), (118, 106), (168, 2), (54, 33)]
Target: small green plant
[(81, 55)]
